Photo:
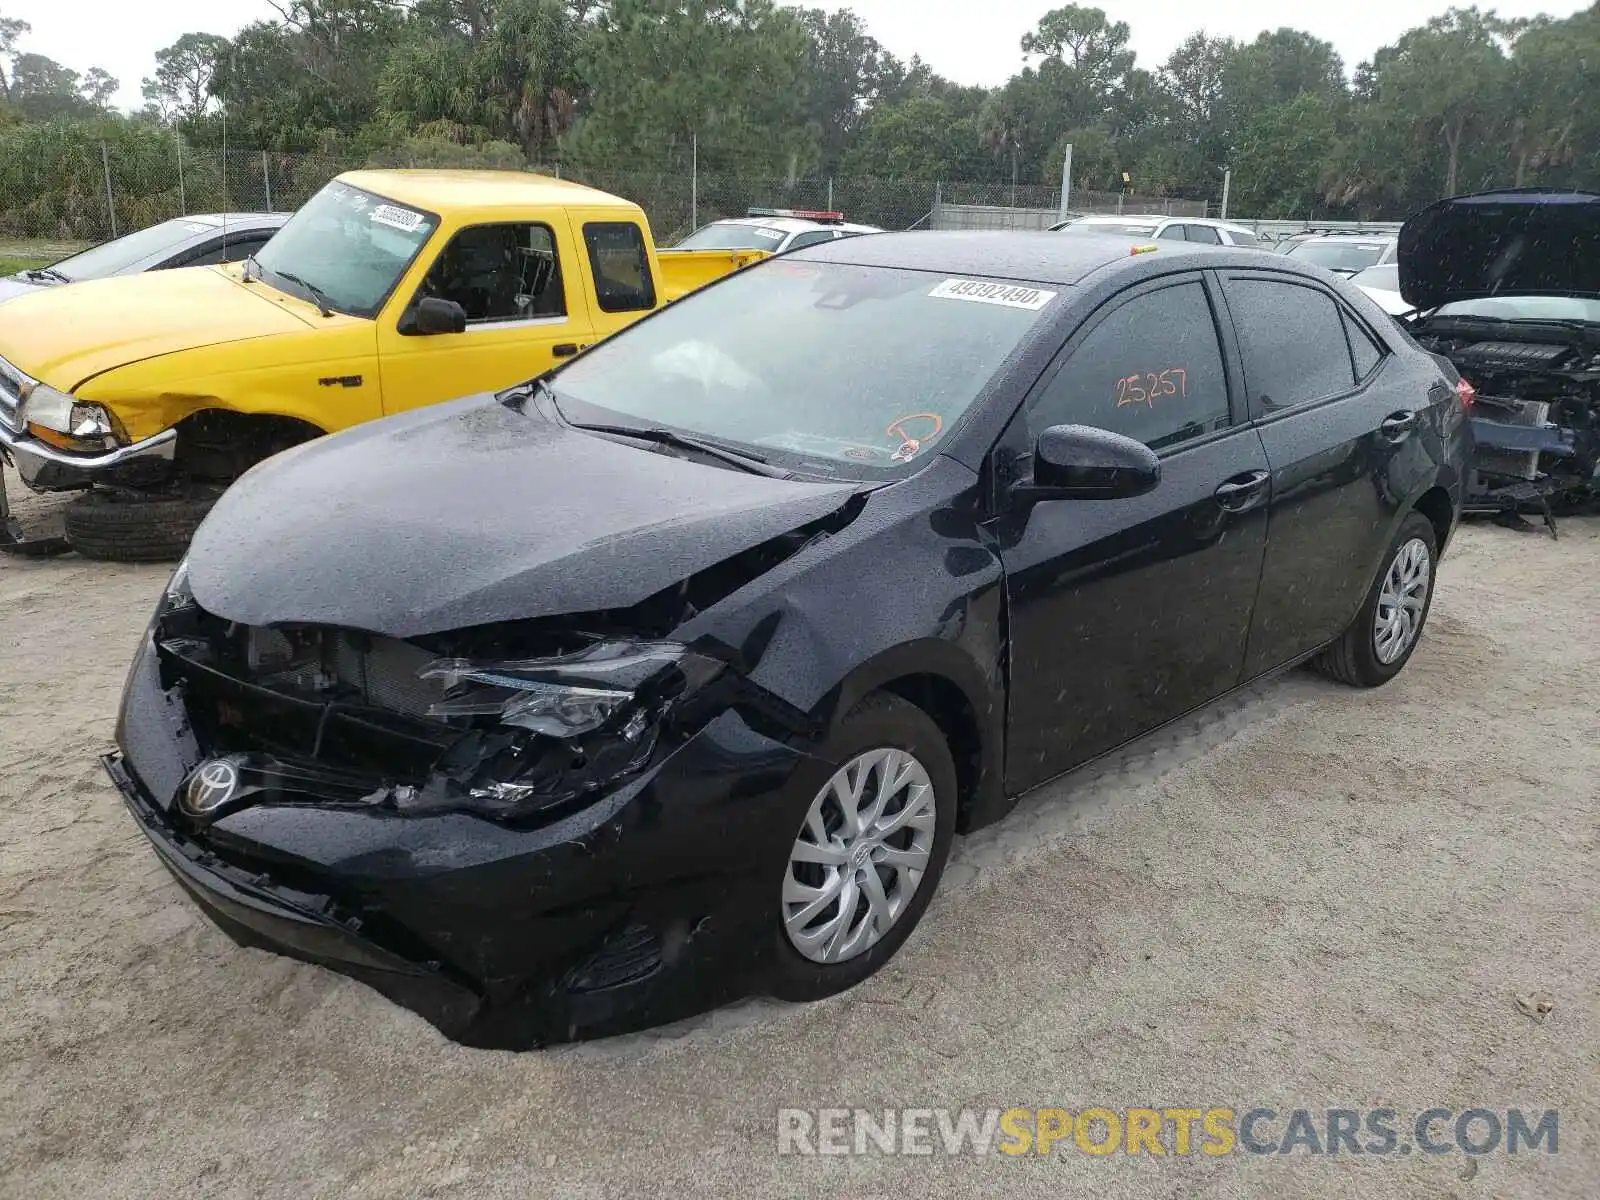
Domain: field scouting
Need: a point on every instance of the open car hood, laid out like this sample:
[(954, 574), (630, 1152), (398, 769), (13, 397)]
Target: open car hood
[(469, 513), (1516, 242)]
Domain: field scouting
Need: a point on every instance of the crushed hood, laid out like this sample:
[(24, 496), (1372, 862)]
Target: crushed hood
[(469, 513), (1517, 242), (66, 335)]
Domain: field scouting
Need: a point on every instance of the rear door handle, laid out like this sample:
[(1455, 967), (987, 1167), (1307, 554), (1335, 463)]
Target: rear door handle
[(1242, 492), (564, 349), (1398, 426)]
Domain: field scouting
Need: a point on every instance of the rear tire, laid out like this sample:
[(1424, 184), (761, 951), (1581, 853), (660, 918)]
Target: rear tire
[(883, 737), (1375, 648), (131, 527)]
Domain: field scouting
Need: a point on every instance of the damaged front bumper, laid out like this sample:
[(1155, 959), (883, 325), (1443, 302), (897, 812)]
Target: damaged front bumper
[(255, 912), (47, 469), (645, 904)]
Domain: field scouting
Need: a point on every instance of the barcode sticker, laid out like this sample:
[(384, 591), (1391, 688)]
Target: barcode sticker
[(398, 218), (987, 292)]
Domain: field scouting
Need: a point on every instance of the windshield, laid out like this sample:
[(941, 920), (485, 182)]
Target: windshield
[(1131, 229), (731, 235), (117, 255), (1526, 308), (349, 244), (874, 366), (1349, 257)]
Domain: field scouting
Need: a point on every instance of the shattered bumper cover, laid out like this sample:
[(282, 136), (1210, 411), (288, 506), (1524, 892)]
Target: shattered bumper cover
[(255, 912), (645, 906)]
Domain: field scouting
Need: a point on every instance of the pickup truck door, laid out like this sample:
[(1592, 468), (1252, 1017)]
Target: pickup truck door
[(524, 286)]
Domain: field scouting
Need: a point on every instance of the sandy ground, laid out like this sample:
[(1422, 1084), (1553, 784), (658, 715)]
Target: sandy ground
[(1303, 896)]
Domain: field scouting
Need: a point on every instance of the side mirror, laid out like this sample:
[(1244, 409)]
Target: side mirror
[(1080, 462), (432, 314)]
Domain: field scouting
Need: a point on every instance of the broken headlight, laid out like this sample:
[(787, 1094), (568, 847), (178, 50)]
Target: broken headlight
[(63, 419), (541, 733)]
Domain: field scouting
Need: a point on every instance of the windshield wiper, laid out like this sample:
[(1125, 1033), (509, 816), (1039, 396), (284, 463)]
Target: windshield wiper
[(317, 294), (47, 273), (745, 460)]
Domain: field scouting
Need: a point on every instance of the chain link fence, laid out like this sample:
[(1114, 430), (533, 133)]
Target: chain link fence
[(68, 190)]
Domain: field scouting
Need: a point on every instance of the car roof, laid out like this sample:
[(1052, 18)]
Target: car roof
[(1349, 235), (1035, 256), (259, 220), (797, 224), (439, 190), (1112, 219), (1159, 219)]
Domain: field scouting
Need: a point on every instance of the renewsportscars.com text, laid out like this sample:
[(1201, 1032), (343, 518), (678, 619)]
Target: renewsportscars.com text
[(1214, 1131)]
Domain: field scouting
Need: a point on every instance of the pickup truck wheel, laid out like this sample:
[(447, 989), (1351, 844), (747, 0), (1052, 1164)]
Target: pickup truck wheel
[(1380, 640), (133, 527)]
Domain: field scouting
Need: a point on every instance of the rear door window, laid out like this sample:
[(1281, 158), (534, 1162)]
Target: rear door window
[(1364, 351), (1203, 233), (621, 266), (1293, 342), (1151, 369)]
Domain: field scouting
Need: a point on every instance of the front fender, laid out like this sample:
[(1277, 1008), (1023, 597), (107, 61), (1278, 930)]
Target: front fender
[(326, 377), (912, 588)]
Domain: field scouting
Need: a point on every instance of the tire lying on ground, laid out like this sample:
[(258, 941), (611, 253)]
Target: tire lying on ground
[(127, 527)]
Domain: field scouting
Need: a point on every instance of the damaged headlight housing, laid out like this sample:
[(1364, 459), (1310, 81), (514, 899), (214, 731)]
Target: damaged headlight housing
[(66, 421), (543, 733)]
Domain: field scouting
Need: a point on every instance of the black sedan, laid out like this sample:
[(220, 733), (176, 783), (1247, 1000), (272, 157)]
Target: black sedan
[(671, 675)]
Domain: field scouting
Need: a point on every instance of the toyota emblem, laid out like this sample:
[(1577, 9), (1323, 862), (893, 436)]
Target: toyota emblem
[(212, 785)]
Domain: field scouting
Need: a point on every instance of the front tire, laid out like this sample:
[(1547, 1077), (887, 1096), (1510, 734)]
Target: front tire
[(1384, 634), (874, 816)]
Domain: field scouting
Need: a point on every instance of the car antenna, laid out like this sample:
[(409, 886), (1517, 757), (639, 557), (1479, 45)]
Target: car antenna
[(233, 65)]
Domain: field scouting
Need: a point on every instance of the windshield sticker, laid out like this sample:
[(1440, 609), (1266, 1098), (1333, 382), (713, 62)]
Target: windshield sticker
[(1008, 294), (398, 218), (910, 446), (775, 235)]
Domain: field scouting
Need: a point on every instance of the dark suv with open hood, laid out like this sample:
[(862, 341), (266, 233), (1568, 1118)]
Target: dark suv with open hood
[(1507, 287), (670, 675)]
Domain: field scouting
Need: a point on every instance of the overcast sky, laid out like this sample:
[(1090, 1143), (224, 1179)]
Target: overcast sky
[(966, 41)]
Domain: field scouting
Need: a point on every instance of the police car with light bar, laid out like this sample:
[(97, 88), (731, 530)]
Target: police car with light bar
[(774, 230)]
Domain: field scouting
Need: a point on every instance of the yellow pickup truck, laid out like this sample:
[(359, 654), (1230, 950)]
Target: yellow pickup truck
[(387, 290)]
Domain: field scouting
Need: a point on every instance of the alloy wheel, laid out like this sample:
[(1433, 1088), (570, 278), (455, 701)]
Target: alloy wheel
[(860, 855), (1401, 601)]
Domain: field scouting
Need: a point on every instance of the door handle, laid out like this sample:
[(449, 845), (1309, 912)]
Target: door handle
[(1242, 492), (1398, 426), (564, 349)]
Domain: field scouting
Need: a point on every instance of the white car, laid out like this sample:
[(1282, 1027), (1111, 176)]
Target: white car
[(773, 229), (1382, 283), (1167, 229), (1345, 253)]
